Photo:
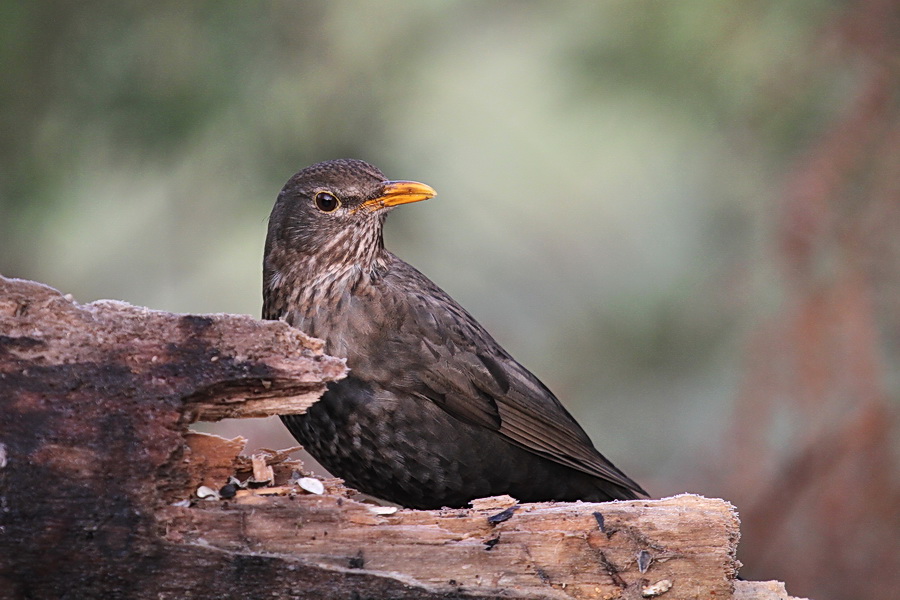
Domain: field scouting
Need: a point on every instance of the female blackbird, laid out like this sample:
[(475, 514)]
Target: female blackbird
[(433, 412)]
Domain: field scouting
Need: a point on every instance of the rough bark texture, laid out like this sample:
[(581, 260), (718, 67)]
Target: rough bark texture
[(99, 477)]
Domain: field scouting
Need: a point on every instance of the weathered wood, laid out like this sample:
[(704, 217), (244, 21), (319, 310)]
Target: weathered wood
[(761, 590), (218, 366), (542, 548), (99, 474)]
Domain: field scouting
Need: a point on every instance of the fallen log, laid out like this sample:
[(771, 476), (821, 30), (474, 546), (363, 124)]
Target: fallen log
[(106, 493)]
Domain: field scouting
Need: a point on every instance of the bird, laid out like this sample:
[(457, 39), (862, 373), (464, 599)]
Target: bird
[(433, 411)]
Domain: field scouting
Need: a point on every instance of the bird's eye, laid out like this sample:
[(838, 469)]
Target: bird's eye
[(327, 202)]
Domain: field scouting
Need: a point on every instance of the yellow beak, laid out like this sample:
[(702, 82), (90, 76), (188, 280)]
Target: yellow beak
[(395, 193)]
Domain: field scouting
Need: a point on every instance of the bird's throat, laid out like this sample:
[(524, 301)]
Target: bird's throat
[(317, 291)]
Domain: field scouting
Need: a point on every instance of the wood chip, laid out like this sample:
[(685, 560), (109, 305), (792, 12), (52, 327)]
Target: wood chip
[(262, 473), (281, 490), (494, 503), (273, 457)]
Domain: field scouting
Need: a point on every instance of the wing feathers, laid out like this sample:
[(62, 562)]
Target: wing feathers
[(469, 375)]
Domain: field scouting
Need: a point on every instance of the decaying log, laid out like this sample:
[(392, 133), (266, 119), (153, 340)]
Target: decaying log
[(101, 483)]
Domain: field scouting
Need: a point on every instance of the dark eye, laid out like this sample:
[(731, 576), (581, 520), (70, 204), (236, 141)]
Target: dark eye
[(327, 202)]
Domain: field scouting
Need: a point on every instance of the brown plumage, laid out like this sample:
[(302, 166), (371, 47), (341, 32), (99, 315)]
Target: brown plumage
[(434, 412)]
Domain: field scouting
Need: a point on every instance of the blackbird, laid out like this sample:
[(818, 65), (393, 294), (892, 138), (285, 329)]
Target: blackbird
[(433, 412)]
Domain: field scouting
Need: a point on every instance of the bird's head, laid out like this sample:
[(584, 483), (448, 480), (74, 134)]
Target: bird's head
[(335, 211)]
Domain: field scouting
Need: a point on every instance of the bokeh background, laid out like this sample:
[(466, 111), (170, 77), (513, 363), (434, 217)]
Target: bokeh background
[(683, 216)]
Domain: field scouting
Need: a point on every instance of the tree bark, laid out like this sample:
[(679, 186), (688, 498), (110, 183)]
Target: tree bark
[(100, 483)]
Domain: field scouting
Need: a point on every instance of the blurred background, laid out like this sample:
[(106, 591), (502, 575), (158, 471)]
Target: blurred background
[(683, 216)]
